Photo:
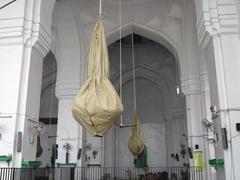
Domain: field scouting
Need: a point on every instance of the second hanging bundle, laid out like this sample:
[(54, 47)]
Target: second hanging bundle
[(135, 143)]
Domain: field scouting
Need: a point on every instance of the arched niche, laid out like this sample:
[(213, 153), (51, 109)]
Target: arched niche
[(152, 34), (48, 108), (149, 74), (49, 102)]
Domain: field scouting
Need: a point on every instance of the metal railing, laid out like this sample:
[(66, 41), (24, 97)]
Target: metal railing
[(101, 173)]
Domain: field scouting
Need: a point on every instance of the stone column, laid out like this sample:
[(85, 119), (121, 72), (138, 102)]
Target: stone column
[(226, 50), (71, 74), (24, 41), (194, 116), (68, 130), (207, 131), (218, 35), (191, 83)]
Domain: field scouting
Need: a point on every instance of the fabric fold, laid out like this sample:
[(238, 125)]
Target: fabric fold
[(97, 106), (135, 143)]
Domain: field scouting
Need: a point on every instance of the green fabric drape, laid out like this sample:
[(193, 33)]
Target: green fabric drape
[(141, 161)]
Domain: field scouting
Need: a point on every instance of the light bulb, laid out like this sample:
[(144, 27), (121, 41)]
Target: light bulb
[(178, 90)]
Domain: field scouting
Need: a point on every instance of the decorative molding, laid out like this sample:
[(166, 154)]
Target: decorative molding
[(67, 90), (20, 30), (216, 18), (27, 31), (191, 84), (42, 43), (204, 81)]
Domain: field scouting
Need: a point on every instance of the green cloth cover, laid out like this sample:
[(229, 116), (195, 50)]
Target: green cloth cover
[(141, 161)]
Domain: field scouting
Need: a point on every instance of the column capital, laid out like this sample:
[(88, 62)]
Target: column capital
[(214, 18), (67, 89), (191, 84), (204, 81)]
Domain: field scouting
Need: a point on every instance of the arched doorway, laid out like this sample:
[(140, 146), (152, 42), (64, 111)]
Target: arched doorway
[(48, 110), (161, 109)]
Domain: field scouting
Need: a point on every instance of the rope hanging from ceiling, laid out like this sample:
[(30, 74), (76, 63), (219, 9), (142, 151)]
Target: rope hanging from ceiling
[(135, 142)]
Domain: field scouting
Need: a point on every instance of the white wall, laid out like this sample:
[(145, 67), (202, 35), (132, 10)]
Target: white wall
[(174, 138), (33, 102), (68, 131), (96, 145), (215, 102), (24, 42), (10, 80)]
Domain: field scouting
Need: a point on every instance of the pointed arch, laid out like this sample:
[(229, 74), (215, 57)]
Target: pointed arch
[(152, 34), (157, 78)]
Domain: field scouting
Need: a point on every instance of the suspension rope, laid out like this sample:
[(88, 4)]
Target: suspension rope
[(100, 8), (176, 61), (134, 76), (52, 57), (120, 55)]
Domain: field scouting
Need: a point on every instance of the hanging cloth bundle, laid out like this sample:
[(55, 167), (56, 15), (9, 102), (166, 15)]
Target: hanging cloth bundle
[(135, 143), (39, 147), (97, 106)]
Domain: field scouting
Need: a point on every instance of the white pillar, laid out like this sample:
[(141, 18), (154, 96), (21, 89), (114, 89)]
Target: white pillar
[(71, 74), (68, 131), (191, 83), (227, 74), (218, 35), (194, 120), (206, 103), (24, 41)]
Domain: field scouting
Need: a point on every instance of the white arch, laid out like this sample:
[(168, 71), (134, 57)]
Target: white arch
[(155, 77), (152, 34)]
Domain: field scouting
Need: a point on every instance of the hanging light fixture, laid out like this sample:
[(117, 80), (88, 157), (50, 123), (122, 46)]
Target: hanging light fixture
[(178, 90)]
